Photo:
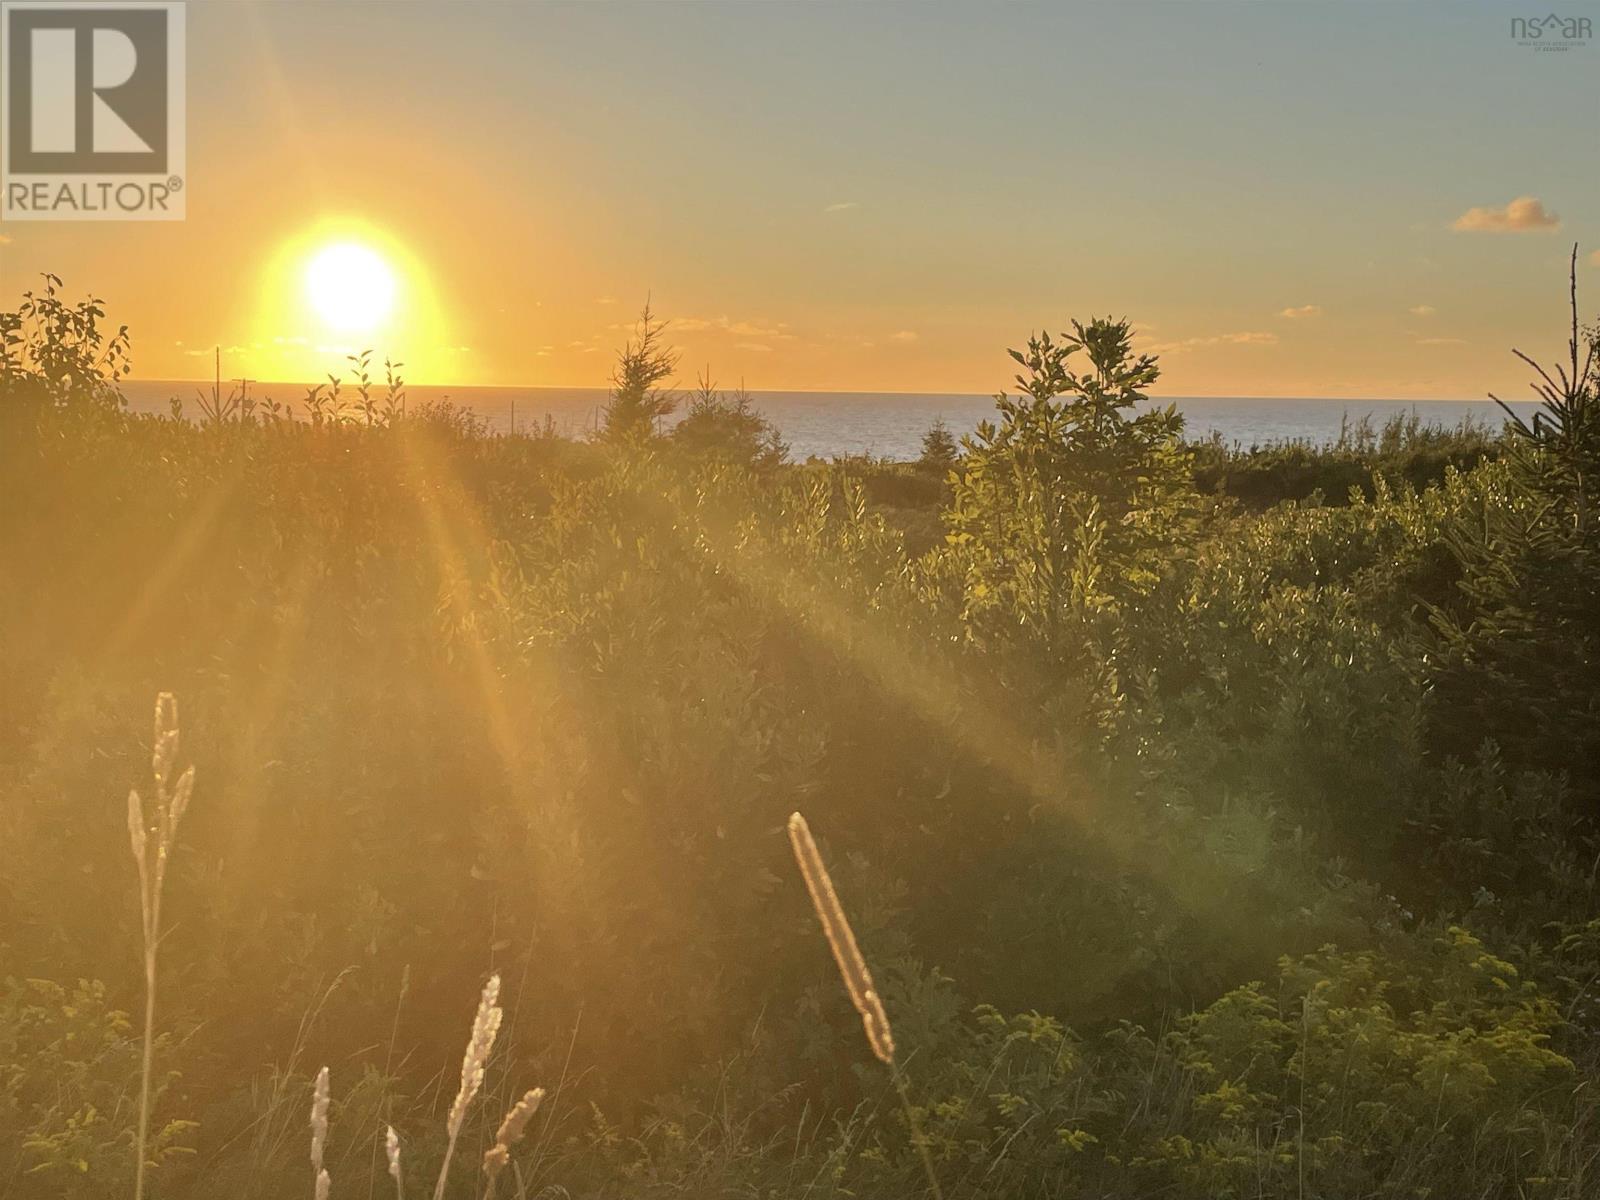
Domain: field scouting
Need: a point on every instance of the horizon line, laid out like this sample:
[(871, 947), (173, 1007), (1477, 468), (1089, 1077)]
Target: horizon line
[(589, 387)]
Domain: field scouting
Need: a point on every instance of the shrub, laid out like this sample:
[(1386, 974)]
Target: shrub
[(1059, 510), (728, 429), (69, 1094), (57, 355)]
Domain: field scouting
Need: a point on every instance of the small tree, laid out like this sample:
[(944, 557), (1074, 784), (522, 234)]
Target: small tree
[(56, 355), (1515, 655), (728, 427), (1558, 453), (939, 450), (637, 403), (1067, 507)]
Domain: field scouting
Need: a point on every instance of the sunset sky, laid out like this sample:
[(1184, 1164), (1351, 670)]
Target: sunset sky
[(1287, 199)]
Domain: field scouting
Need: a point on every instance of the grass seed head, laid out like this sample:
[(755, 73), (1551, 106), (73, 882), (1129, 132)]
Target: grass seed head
[(511, 1131), (180, 800), (842, 940), (319, 1119), (137, 834), (484, 1027), (164, 737)]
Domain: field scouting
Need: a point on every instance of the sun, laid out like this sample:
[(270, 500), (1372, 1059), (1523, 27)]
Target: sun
[(345, 283), (350, 286)]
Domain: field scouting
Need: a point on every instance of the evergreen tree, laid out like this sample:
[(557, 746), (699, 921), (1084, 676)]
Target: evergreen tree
[(728, 427), (939, 450), (1515, 658), (637, 402)]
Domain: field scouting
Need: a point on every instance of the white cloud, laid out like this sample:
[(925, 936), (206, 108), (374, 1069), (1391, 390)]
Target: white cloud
[(903, 335), (842, 206), (1422, 310), (1525, 214), (1305, 310), (756, 346), (605, 300), (1441, 341), (748, 329), (1243, 338)]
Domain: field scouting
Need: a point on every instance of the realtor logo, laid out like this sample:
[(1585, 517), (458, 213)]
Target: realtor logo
[(91, 111)]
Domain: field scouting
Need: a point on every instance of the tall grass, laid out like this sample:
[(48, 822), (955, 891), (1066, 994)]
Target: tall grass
[(857, 977), (152, 847), (480, 1045)]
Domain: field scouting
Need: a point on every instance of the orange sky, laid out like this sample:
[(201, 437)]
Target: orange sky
[(1286, 200)]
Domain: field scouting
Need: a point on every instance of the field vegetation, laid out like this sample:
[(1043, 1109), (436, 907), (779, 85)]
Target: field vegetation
[(1212, 822)]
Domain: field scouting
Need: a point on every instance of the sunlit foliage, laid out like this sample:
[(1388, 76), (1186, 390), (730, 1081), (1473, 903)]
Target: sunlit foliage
[(1198, 848)]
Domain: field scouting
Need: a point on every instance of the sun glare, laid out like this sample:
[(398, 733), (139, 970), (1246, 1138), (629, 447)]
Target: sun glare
[(345, 284), (350, 286)]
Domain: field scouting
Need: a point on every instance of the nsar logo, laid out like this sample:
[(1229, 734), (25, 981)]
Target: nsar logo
[(1551, 32)]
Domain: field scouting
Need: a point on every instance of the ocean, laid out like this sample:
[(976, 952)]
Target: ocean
[(888, 424)]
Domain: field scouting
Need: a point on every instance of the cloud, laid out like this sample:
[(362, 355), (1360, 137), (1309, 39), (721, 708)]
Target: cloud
[(1244, 338), (1594, 258), (1422, 310), (605, 300), (757, 346), (4, 240), (903, 335), (747, 329), (1305, 310), (842, 206), (1441, 341), (1525, 214)]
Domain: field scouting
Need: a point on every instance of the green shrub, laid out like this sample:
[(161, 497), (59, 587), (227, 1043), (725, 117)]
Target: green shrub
[(69, 1094)]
